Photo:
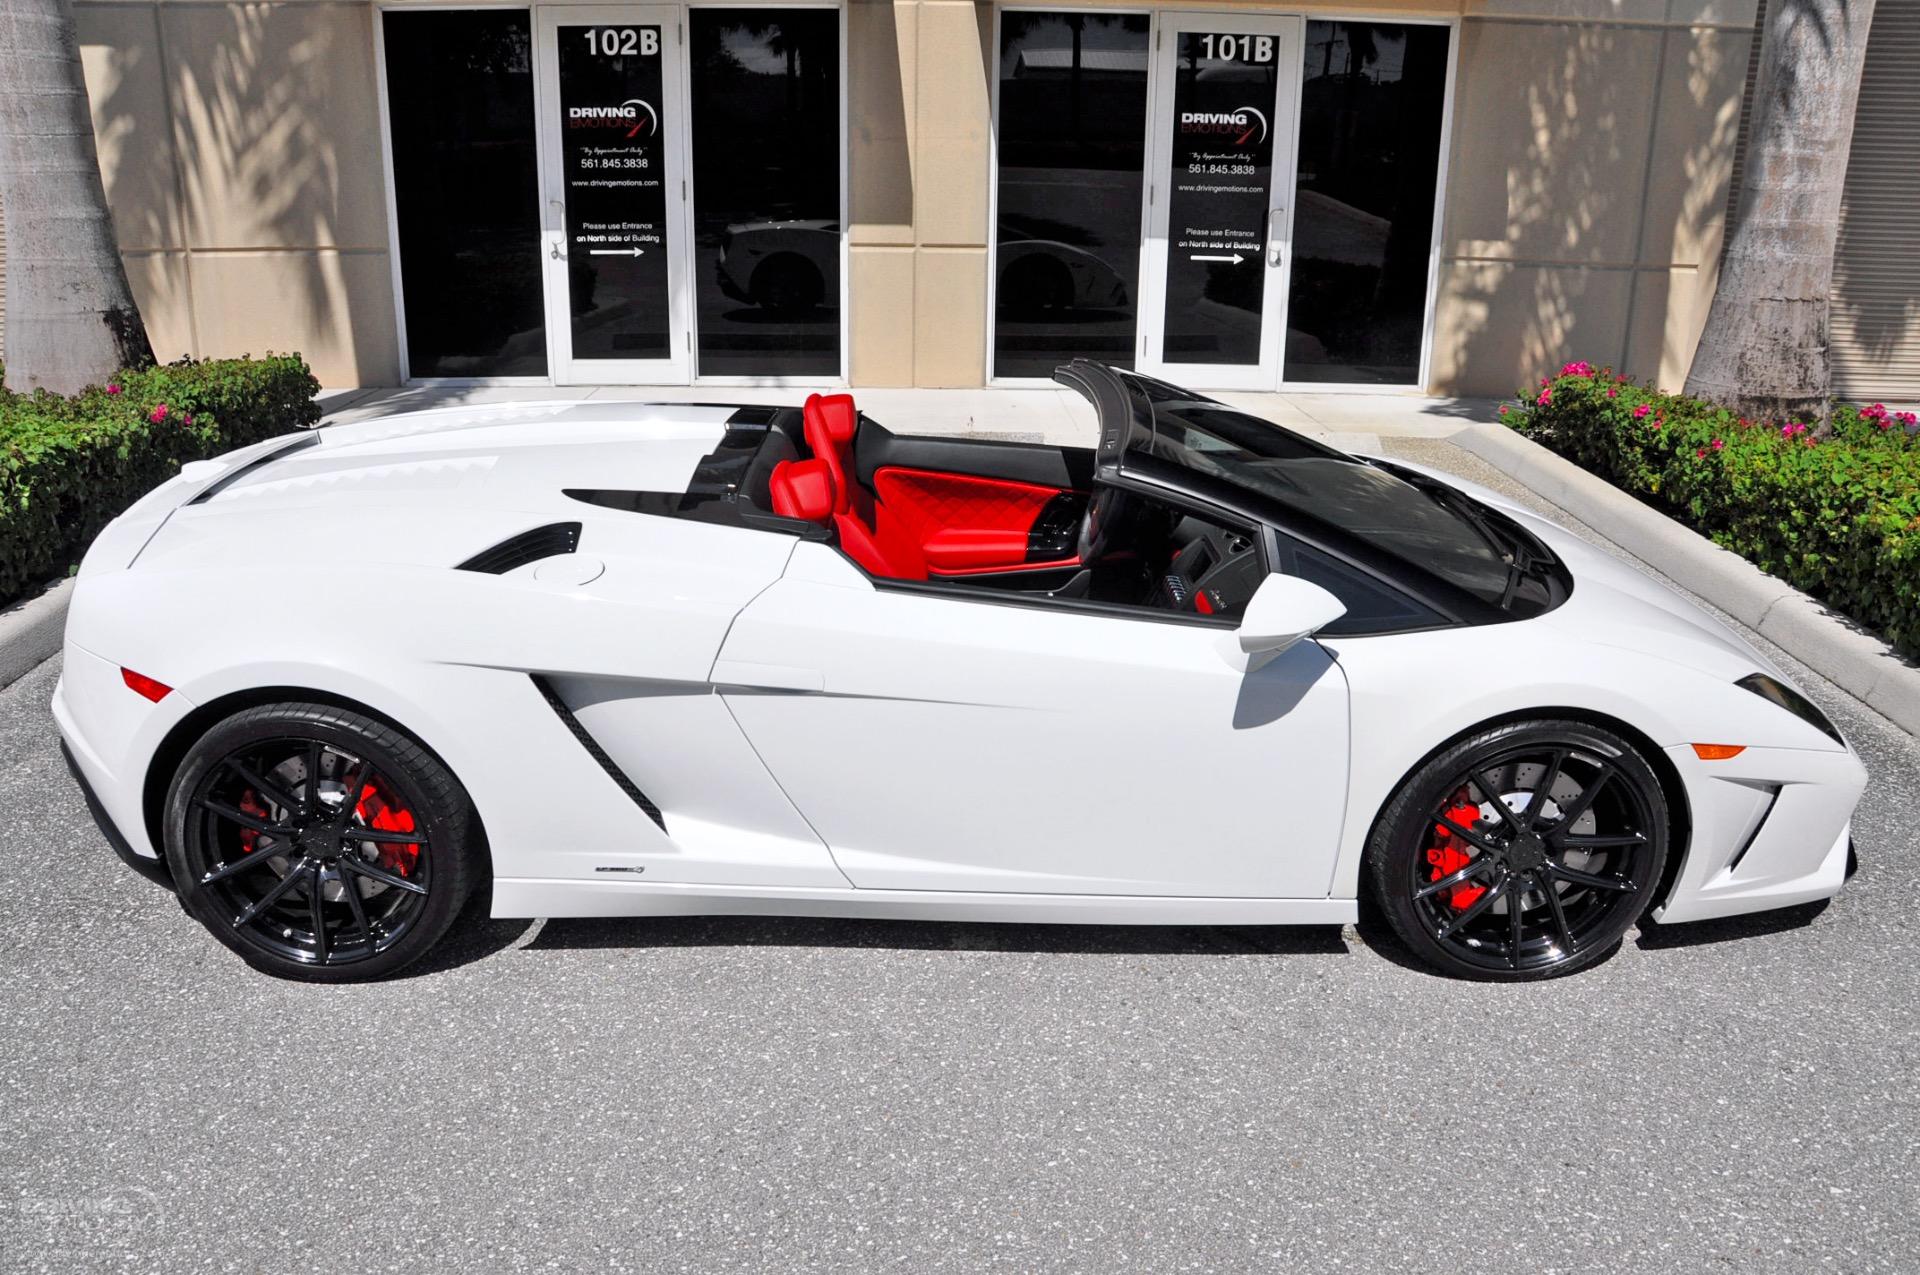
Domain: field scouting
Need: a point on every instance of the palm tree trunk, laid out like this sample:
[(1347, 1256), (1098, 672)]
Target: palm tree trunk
[(1764, 351), (71, 318)]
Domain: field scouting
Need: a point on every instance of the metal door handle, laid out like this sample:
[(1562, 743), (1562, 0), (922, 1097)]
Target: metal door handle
[(1276, 246)]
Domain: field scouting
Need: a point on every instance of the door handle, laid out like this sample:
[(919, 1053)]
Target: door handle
[(1276, 245)]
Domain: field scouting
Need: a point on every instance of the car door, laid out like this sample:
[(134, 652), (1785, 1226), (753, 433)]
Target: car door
[(959, 741)]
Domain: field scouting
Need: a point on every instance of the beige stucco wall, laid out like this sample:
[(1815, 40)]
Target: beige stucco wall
[(1588, 175), (241, 151), (1590, 151)]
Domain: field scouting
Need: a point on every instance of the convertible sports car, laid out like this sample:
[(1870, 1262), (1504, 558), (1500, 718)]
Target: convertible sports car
[(610, 659)]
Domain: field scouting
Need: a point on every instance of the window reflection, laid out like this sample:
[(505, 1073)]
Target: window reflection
[(1072, 153), (460, 94), (766, 198), (1371, 105)]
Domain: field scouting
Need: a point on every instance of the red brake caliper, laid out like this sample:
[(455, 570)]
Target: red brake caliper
[(381, 812), (1448, 856), (250, 803)]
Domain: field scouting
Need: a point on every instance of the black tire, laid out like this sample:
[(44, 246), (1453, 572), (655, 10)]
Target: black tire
[(1034, 285), (787, 285), (246, 832), (1566, 817)]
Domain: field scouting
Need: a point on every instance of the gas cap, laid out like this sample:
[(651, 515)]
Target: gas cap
[(571, 568)]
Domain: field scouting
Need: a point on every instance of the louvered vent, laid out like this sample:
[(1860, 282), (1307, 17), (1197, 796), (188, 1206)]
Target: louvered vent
[(1876, 271), (528, 546)]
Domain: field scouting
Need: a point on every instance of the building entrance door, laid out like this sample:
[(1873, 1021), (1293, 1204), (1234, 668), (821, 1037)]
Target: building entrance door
[(614, 194), (1220, 173)]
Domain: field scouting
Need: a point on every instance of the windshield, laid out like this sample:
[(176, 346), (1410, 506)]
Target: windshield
[(1415, 519)]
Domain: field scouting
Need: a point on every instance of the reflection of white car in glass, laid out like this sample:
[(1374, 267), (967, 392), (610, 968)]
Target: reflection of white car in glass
[(1045, 274), (782, 266)]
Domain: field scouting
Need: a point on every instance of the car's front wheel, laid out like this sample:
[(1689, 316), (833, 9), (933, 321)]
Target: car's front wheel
[(1525, 851), (319, 843)]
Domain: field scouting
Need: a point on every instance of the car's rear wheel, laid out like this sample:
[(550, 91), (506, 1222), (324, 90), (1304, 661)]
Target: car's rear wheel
[(1526, 851), (320, 844)]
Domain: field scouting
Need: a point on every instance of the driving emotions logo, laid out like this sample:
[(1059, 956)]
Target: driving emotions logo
[(1239, 124), (635, 116)]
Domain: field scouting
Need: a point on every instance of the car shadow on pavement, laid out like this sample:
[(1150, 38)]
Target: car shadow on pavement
[(959, 936), (1730, 929)]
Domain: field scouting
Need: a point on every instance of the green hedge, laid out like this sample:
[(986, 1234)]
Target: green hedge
[(68, 465), (1837, 516)]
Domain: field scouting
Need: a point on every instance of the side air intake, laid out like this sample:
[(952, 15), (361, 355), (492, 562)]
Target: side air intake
[(599, 754), (528, 546)]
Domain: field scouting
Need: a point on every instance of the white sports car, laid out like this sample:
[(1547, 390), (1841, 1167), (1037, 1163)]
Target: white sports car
[(607, 659)]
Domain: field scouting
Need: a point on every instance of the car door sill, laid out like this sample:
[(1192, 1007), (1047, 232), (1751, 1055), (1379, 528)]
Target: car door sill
[(536, 896)]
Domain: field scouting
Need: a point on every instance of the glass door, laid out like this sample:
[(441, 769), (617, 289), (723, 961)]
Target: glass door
[(1222, 156), (613, 187)]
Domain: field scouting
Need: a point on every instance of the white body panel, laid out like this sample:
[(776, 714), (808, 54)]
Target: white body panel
[(820, 745), (975, 744)]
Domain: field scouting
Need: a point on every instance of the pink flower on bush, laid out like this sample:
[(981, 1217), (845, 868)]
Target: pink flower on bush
[(1640, 411), (1874, 412), (187, 419), (1699, 453), (158, 415), (1613, 393), (1546, 397), (1908, 419), (1580, 368), (1794, 430), (1503, 409), (113, 389), (1719, 444)]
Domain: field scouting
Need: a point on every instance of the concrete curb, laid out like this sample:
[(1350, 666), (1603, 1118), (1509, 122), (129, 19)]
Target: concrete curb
[(1827, 643), (31, 630)]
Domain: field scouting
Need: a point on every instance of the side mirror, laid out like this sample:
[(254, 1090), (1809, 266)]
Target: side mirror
[(1282, 611)]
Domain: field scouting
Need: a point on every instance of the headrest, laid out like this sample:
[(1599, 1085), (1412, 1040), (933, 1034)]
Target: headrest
[(802, 489), (833, 413)]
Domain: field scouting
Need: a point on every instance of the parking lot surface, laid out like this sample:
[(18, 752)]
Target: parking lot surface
[(760, 1095)]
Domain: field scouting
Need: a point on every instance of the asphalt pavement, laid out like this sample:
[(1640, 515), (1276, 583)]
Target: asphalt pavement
[(718, 1095)]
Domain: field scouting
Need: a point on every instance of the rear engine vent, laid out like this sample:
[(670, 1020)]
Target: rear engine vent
[(528, 546)]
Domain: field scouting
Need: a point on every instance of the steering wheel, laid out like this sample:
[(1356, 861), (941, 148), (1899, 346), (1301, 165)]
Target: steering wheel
[(1111, 515)]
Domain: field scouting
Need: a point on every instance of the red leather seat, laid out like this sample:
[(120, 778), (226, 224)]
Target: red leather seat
[(829, 422), (805, 489), (802, 489)]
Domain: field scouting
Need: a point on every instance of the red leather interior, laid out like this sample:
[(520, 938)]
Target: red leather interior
[(957, 522), (915, 521), (828, 422), (802, 489), (965, 549)]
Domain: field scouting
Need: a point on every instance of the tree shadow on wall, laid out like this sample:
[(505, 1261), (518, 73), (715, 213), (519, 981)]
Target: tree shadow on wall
[(236, 132), (1613, 199)]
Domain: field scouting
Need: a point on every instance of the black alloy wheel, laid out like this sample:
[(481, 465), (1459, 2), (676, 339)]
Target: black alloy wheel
[(320, 844), (1524, 852)]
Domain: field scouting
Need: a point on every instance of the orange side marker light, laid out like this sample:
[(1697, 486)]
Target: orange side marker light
[(1718, 752)]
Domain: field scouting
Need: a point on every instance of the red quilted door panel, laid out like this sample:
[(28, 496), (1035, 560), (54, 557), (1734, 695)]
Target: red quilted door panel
[(957, 522)]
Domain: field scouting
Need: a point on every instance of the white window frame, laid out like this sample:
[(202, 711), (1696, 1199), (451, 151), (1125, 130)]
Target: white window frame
[(1421, 386)]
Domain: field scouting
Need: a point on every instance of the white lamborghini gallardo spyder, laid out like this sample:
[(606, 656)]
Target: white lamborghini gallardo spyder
[(606, 659)]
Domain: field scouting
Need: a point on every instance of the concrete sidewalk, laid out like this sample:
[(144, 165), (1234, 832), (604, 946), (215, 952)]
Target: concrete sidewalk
[(1355, 421)]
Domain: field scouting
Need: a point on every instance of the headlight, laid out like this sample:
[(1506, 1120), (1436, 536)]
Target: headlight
[(1772, 688)]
